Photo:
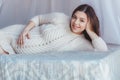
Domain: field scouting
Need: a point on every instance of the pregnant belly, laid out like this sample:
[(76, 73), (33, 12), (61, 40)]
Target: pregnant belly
[(30, 46)]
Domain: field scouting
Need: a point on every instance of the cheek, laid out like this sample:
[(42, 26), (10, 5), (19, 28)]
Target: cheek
[(82, 29), (83, 26)]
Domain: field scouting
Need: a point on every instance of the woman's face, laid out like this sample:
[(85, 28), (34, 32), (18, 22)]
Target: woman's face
[(78, 22)]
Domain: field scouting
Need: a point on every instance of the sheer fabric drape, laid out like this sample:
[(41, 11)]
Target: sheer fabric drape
[(20, 11), (1, 3)]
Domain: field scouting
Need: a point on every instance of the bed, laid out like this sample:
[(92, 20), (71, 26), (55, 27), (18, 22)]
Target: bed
[(73, 65)]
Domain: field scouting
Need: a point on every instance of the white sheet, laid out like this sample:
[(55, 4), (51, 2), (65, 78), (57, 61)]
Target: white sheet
[(61, 66)]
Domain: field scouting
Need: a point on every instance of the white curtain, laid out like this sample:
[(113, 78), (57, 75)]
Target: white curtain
[(20, 11), (1, 3)]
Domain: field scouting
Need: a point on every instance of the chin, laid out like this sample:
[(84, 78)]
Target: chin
[(76, 32)]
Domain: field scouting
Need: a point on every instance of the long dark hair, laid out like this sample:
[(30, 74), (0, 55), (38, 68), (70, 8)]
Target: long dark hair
[(91, 16)]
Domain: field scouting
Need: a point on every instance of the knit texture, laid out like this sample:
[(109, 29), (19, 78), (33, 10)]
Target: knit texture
[(52, 33)]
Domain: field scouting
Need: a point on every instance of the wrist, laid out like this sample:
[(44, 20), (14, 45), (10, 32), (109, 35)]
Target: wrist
[(25, 31), (92, 34)]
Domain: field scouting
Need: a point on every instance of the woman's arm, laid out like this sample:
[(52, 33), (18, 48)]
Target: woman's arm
[(97, 42), (25, 33), (51, 18)]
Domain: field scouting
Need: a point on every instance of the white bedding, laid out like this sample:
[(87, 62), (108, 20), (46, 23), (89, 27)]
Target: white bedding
[(74, 65)]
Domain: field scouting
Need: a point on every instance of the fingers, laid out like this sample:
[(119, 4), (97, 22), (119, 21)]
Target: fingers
[(89, 26), (28, 36), (22, 37), (20, 40)]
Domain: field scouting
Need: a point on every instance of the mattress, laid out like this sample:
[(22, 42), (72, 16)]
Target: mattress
[(73, 65)]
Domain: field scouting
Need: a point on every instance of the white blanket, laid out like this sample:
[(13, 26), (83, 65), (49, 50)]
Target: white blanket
[(61, 66)]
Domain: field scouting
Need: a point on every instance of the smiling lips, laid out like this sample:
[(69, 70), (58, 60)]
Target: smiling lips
[(76, 27)]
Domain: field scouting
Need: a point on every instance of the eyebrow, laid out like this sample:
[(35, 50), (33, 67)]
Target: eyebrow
[(82, 18)]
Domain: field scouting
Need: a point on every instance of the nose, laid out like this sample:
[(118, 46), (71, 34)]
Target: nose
[(77, 21)]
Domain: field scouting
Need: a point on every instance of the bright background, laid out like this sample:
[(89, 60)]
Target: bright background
[(20, 11)]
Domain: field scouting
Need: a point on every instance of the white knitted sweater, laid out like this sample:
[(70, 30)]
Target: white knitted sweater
[(52, 33)]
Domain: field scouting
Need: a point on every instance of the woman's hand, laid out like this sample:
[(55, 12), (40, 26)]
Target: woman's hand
[(25, 34), (89, 27), (90, 31), (22, 37)]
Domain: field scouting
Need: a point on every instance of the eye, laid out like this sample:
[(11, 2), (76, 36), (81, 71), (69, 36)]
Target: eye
[(74, 17), (82, 20)]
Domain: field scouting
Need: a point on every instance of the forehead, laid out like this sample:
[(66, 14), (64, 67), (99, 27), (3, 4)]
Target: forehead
[(80, 14)]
